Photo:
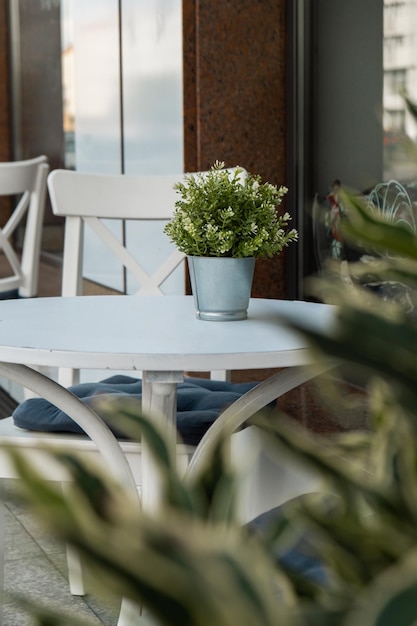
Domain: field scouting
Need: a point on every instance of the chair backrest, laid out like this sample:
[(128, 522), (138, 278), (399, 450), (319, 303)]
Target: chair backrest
[(27, 180), (94, 199)]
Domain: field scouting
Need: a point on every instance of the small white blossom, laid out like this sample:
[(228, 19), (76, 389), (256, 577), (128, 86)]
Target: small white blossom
[(188, 224), (227, 213)]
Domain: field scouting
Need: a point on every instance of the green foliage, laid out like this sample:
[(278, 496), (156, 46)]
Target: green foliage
[(372, 532), (219, 214), (192, 564)]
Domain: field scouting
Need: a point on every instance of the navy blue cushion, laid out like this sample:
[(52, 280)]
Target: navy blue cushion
[(199, 403), (302, 558)]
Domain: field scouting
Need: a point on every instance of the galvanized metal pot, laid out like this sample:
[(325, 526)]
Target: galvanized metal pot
[(221, 287)]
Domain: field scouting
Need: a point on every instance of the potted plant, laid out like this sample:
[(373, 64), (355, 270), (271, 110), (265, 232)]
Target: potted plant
[(223, 221)]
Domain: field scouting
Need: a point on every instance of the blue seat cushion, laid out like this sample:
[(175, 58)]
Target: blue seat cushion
[(199, 403), (301, 557)]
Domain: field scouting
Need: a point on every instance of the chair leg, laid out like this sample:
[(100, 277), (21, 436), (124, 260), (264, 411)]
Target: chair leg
[(2, 545), (75, 572), (74, 566), (130, 614)]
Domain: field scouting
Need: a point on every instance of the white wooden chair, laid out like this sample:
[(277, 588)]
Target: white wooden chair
[(97, 202), (26, 180), (104, 205), (85, 200)]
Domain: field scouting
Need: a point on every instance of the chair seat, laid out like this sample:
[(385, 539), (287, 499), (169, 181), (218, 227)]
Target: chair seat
[(298, 556), (35, 442), (199, 403)]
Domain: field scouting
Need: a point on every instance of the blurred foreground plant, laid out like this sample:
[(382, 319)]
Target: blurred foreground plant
[(346, 556)]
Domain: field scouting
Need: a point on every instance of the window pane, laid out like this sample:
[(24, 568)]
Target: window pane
[(400, 54)]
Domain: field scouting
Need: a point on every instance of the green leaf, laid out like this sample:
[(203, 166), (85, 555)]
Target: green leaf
[(373, 232), (391, 599)]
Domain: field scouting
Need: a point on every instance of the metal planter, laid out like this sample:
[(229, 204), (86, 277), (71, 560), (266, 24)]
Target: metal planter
[(221, 287)]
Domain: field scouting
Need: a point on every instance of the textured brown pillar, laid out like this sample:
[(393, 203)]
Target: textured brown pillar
[(234, 97), (5, 149), (5, 138), (39, 116)]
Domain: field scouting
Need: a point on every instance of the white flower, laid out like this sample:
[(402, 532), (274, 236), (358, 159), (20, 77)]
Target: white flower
[(227, 213), (188, 224), (211, 229)]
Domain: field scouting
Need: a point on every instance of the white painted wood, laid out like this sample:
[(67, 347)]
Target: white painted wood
[(153, 333), (98, 204), (112, 196), (161, 337), (97, 201), (34, 445), (27, 180), (261, 473), (85, 417), (159, 399)]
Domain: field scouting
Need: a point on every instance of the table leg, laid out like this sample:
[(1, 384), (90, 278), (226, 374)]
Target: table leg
[(159, 401), (251, 402), (258, 487)]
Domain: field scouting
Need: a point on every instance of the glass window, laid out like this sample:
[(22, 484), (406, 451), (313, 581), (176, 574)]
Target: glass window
[(123, 110), (353, 62), (400, 64), (339, 124)]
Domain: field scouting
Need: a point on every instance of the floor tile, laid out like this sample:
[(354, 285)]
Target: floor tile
[(35, 567), (37, 579)]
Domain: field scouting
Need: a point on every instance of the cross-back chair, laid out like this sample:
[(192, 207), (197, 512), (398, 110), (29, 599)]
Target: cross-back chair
[(85, 200), (26, 181), (100, 202), (105, 205)]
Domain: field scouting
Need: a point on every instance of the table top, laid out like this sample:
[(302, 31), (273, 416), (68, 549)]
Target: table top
[(152, 333)]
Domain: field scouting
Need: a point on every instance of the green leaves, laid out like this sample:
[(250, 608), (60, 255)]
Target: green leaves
[(371, 231), (190, 565), (223, 213)]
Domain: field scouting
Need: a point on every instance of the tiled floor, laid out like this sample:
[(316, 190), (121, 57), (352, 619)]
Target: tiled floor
[(35, 568)]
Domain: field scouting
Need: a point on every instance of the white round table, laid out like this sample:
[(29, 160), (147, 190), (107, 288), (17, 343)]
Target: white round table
[(159, 336), (152, 333)]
